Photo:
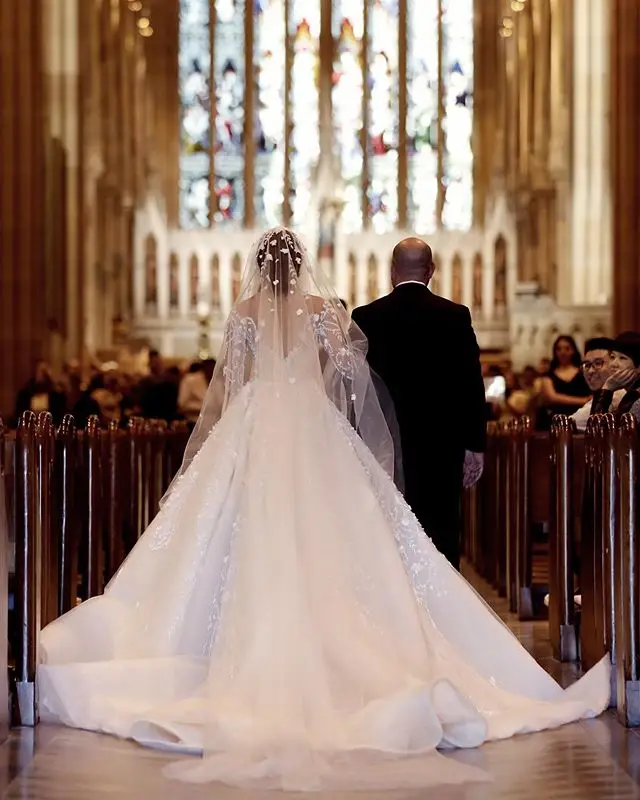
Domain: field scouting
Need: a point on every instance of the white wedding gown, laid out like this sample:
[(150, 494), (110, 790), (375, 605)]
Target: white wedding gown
[(286, 620)]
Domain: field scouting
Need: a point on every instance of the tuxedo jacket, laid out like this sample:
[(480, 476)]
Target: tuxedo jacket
[(424, 349)]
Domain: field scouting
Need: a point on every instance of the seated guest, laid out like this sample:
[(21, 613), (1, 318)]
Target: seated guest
[(597, 366), (193, 388), (624, 379), (159, 390), (564, 389), (108, 398), (521, 400), (41, 394)]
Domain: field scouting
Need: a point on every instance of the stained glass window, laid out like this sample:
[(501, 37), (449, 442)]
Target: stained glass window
[(269, 61), (362, 74), (382, 194), (347, 81), (229, 82), (422, 114), (305, 139), (457, 77), (195, 113)]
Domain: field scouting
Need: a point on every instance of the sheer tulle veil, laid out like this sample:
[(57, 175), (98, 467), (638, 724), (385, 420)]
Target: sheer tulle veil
[(284, 616), (289, 325)]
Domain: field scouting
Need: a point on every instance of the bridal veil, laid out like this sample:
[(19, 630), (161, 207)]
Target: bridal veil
[(287, 323)]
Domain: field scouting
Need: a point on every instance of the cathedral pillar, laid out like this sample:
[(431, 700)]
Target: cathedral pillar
[(591, 215), (488, 126), (625, 167), (543, 206), (92, 165), (24, 306), (560, 83), (161, 53), (62, 214)]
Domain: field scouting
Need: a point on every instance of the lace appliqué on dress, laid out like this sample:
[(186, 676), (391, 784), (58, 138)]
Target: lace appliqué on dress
[(330, 335), (242, 338), (422, 561)]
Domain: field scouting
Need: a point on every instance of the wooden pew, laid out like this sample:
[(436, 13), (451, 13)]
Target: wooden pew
[(627, 611), (598, 540), (137, 476), (92, 565), (27, 612), (46, 532), (117, 493), (4, 591), (80, 500), (512, 496), (599, 572), (521, 515), (565, 466), (67, 512)]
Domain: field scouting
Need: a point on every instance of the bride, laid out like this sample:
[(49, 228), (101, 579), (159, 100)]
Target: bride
[(284, 619)]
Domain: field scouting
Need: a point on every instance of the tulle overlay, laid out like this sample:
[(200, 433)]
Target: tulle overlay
[(286, 615)]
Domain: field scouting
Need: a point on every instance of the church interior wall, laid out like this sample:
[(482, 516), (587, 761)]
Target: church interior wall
[(551, 248)]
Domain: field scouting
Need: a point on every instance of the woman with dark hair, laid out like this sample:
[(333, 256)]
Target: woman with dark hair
[(564, 389)]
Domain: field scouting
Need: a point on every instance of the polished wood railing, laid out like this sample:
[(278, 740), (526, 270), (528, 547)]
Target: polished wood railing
[(74, 502), (627, 560), (584, 489), (5, 526), (80, 501), (502, 511)]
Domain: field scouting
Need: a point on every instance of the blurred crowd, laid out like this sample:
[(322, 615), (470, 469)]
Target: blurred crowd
[(606, 378), (166, 393)]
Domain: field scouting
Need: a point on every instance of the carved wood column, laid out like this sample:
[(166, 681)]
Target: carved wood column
[(23, 302), (625, 161)]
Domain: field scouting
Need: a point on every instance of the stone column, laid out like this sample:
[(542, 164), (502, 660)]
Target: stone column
[(488, 89), (562, 43), (24, 311), (625, 165), (63, 214), (591, 218)]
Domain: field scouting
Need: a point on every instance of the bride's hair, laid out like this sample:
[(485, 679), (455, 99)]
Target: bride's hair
[(279, 258)]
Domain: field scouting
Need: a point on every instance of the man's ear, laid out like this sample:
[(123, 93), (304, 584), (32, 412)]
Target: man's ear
[(431, 271)]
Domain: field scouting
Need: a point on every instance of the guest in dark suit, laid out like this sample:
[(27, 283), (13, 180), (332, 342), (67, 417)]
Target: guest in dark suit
[(424, 349)]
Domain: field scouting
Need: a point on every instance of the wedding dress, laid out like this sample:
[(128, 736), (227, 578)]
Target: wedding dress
[(284, 618)]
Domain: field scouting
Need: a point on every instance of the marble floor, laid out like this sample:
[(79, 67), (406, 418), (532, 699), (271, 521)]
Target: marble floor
[(595, 759)]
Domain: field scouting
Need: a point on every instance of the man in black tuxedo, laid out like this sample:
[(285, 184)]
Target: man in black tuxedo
[(424, 349)]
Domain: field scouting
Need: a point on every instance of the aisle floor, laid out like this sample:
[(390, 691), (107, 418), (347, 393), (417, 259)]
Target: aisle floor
[(595, 759)]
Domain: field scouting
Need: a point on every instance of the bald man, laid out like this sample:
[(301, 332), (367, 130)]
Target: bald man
[(424, 349)]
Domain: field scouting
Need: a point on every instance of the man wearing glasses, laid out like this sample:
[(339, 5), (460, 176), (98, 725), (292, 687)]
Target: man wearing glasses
[(597, 366), (611, 369)]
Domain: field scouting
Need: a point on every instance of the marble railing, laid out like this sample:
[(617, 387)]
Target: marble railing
[(182, 276)]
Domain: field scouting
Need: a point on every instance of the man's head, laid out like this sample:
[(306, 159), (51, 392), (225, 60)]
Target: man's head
[(596, 364), (412, 261)]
